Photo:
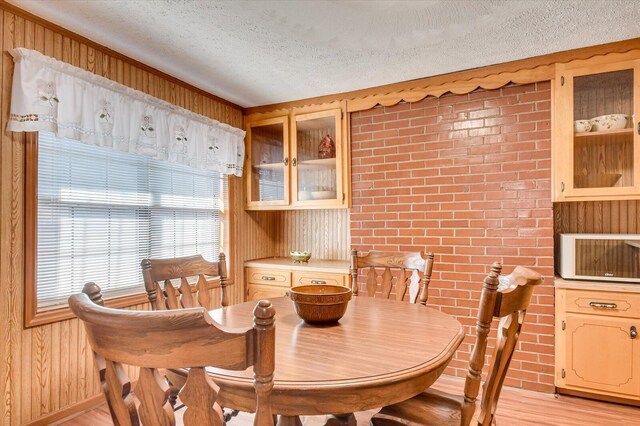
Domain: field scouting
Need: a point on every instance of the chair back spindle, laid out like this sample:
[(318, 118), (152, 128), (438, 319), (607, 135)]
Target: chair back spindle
[(406, 272), (506, 298), (164, 293)]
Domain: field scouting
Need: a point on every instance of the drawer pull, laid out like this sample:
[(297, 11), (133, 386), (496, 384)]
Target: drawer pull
[(318, 282), (603, 305), (268, 278)]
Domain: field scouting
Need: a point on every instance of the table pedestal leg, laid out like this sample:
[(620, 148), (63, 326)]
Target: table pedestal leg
[(341, 420), (289, 421)]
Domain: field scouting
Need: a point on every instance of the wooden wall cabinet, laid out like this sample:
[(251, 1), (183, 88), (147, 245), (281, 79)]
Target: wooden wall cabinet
[(597, 345), (603, 162), (284, 167), (272, 277)]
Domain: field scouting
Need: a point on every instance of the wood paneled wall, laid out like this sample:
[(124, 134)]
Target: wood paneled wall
[(597, 217), (325, 233), (50, 368)]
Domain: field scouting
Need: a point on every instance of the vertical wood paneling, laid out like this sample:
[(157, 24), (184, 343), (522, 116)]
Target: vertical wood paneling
[(325, 233), (45, 369), (597, 217), (9, 333), (254, 234)]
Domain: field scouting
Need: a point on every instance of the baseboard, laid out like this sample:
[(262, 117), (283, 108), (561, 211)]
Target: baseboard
[(599, 397), (69, 411)]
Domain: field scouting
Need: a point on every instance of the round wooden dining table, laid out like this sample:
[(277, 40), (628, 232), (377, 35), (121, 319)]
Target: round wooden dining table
[(381, 352)]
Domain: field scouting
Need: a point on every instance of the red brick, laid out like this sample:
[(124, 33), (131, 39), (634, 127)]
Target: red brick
[(467, 176)]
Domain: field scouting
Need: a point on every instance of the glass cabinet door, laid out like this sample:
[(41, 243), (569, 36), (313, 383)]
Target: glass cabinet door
[(268, 175), (603, 132), (316, 158)]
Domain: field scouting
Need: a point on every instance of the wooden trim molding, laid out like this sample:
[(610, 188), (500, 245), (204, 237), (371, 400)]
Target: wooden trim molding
[(538, 68), (47, 316), (459, 87), (601, 397), (69, 411), (37, 317), (30, 229)]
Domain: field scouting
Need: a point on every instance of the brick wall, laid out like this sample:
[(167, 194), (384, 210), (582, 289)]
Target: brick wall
[(467, 177)]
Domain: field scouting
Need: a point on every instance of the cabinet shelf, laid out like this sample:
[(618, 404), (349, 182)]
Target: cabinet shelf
[(269, 166), (323, 163), (627, 131), (597, 180)]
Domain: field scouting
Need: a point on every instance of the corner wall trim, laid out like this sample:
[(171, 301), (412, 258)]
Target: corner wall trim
[(69, 411)]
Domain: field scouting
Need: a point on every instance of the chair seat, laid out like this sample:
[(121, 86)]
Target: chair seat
[(430, 408)]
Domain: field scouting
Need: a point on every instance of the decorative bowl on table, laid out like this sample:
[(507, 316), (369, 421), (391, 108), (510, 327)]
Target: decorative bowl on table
[(608, 122), (300, 256), (320, 304), (582, 126)]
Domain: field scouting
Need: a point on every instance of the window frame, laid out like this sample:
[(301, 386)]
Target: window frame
[(36, 317)]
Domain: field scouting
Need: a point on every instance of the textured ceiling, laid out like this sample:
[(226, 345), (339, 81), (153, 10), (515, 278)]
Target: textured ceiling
[(261, 52)]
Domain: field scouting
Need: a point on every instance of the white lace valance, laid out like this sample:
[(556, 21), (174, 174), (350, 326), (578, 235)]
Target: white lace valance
[(73, 103)]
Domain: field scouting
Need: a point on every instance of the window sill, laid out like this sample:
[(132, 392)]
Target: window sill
[(62, 313)]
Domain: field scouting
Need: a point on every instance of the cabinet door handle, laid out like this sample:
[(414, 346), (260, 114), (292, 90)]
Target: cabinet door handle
[(318, 282), (603, 305), (268, 278), (286, 161), (294, 161), (639, 127), (633, 332)]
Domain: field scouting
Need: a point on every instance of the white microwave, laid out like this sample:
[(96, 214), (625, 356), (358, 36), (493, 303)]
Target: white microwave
[(599, 257)]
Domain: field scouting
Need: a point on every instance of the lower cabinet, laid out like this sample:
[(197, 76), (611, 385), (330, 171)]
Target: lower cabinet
[(266, 283), (598, 348), (260, 291)]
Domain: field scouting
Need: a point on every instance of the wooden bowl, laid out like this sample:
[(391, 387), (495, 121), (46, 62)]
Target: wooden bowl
[(320, 304)]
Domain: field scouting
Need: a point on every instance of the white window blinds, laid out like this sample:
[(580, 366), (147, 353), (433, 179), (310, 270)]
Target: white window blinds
[(100, 212)]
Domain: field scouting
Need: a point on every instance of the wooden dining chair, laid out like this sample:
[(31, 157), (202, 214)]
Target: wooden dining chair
[(185, 338), (412, 273), (159, 276), (190, 290), (503, 297)]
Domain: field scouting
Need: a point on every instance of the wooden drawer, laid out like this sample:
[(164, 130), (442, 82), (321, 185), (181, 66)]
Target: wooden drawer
[(603, 303), (259, 291), (312, 277), (271, 277)]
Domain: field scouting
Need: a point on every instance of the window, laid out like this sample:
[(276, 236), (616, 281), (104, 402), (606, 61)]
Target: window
[(100, 212)]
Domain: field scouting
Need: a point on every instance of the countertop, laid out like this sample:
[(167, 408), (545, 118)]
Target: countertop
[(318, 265), (596, 285)]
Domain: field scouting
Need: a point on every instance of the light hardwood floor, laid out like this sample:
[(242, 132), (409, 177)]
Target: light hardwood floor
[(516, 408)]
